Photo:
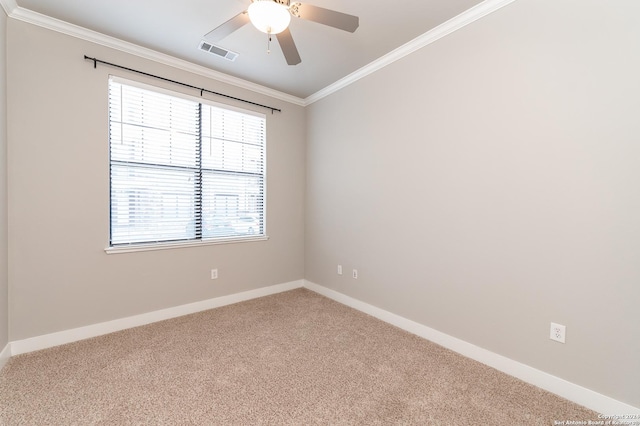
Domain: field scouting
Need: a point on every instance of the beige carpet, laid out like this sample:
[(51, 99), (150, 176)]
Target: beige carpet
[(291, 358)]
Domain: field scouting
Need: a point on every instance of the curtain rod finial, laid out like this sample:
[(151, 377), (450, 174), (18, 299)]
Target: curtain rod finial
[(95, 61)]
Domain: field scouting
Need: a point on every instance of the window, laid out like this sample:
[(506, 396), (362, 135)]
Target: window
[(183, 170)]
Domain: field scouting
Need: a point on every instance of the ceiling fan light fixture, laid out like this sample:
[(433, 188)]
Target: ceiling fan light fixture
[(268, 16)]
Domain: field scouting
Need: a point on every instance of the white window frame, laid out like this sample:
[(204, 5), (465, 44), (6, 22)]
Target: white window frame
[(150, 246)]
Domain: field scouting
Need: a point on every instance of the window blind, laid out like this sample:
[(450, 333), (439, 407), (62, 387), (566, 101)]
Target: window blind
[(183, 170)]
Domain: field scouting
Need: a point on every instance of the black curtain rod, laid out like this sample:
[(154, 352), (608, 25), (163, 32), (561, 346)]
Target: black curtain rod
[(95, 65)]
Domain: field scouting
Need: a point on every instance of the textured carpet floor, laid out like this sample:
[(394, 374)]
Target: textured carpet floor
[(291, 358)]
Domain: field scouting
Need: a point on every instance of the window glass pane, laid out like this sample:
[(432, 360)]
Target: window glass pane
[(152, 146), (232, 141), (232, 205), (232, 125), (219, 154), (149, 204), (151, 109), (152, 128)]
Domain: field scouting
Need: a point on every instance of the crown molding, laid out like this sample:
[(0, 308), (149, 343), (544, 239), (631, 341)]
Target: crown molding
[(442, 30), (16, 12), (8, 5), (454, 24)]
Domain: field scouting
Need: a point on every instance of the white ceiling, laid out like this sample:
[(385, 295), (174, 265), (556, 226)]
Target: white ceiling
[(176, 28)]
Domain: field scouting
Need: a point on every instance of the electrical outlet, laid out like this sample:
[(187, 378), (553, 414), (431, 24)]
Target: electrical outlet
[(557, 332), (355, 274), (339, 269), (214, 274)]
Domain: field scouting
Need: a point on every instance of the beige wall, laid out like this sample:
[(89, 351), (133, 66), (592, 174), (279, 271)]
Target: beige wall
[(489, 184), (4, 290), (60, 276)]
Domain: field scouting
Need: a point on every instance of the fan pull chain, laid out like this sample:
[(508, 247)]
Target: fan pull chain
[(268, 42)]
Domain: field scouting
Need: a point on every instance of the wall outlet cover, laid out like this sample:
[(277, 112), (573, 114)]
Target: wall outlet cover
[(557, 332)]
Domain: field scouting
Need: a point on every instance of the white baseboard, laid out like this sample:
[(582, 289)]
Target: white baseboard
[(575, 393), (68, 336), (578, 394), (5, 354)]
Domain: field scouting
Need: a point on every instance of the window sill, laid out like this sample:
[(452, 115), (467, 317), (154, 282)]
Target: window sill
[(183, 244)]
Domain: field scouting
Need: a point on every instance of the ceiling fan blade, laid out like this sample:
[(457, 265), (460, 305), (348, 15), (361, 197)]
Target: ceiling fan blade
[(288, 47), (228, 27), (334, 19)]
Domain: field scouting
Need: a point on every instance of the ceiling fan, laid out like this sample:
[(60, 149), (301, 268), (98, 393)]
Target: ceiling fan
[(273, 16)]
